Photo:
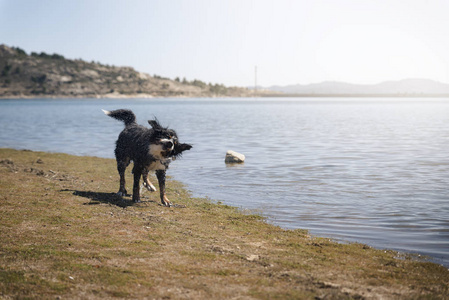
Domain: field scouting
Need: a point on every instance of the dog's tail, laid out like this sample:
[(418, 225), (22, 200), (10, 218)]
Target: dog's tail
[(124, 115)]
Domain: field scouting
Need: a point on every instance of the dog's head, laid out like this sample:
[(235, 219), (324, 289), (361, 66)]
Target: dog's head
[(166, 142)]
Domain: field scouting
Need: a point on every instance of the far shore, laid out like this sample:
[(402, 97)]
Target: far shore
[(264, 95), (66, 234)]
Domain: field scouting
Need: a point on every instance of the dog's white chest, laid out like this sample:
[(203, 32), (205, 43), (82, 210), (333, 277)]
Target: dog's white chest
[(155, 150), (158, 165)]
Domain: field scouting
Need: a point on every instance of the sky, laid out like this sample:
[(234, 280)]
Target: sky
[(222, 41)]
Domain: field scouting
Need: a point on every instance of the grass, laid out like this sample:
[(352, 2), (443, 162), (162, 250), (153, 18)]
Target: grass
[(64, 233)]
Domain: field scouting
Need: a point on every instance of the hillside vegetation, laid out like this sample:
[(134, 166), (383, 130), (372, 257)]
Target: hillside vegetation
[(25, 75)]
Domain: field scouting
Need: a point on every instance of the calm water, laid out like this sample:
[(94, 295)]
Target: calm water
[(374, 171)]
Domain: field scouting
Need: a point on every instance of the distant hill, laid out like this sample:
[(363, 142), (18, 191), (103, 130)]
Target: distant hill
[(404, 88), (25, 75), (51, 75)]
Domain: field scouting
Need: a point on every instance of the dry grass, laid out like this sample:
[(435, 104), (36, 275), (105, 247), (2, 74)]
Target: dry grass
[(65, 234)]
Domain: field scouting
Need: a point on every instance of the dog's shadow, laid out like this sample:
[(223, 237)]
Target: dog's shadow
[(100, 197)]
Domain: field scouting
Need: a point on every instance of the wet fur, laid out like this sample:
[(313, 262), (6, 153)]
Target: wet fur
[(150, 149)]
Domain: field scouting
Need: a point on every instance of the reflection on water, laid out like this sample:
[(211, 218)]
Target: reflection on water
[(373, 171)]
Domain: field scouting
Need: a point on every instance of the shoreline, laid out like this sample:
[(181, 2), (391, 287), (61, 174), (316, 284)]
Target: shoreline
[(338, 239), (66, 234)]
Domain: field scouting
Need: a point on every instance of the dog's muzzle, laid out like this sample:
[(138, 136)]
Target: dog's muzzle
[(168, 144)]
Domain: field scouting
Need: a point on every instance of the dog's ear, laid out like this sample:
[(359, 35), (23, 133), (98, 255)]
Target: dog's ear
[(155, 124), (184, 147), (179, 148)]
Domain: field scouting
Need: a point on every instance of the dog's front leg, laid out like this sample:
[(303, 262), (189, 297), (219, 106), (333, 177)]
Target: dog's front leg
[(146, 182), (136, 187), (160, 174)]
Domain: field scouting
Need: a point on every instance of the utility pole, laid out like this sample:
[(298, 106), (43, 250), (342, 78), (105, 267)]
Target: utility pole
[(255, 81)]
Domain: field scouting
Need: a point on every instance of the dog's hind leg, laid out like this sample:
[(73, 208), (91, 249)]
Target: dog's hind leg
[(146, 182), (121, 167), (160, 174), (136, 187)]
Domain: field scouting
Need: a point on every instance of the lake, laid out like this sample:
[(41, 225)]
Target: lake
[(374, 171)]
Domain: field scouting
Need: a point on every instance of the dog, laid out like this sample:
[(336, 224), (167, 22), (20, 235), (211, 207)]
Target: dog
[(150, 149)]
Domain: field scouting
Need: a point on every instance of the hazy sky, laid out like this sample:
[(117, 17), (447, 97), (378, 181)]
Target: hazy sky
[(302, 41)]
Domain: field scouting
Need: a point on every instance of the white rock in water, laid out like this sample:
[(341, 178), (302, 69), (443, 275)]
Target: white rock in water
[(234, 157)]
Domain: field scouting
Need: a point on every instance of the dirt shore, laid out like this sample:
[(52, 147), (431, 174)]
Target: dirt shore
[(65, 234)]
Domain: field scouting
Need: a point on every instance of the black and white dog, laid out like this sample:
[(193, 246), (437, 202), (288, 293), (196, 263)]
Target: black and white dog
[(150, 150)]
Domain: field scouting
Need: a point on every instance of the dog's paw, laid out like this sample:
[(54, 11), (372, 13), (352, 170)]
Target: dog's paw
[(166, 202), (122, 192), (149, 186), (136, 199)]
